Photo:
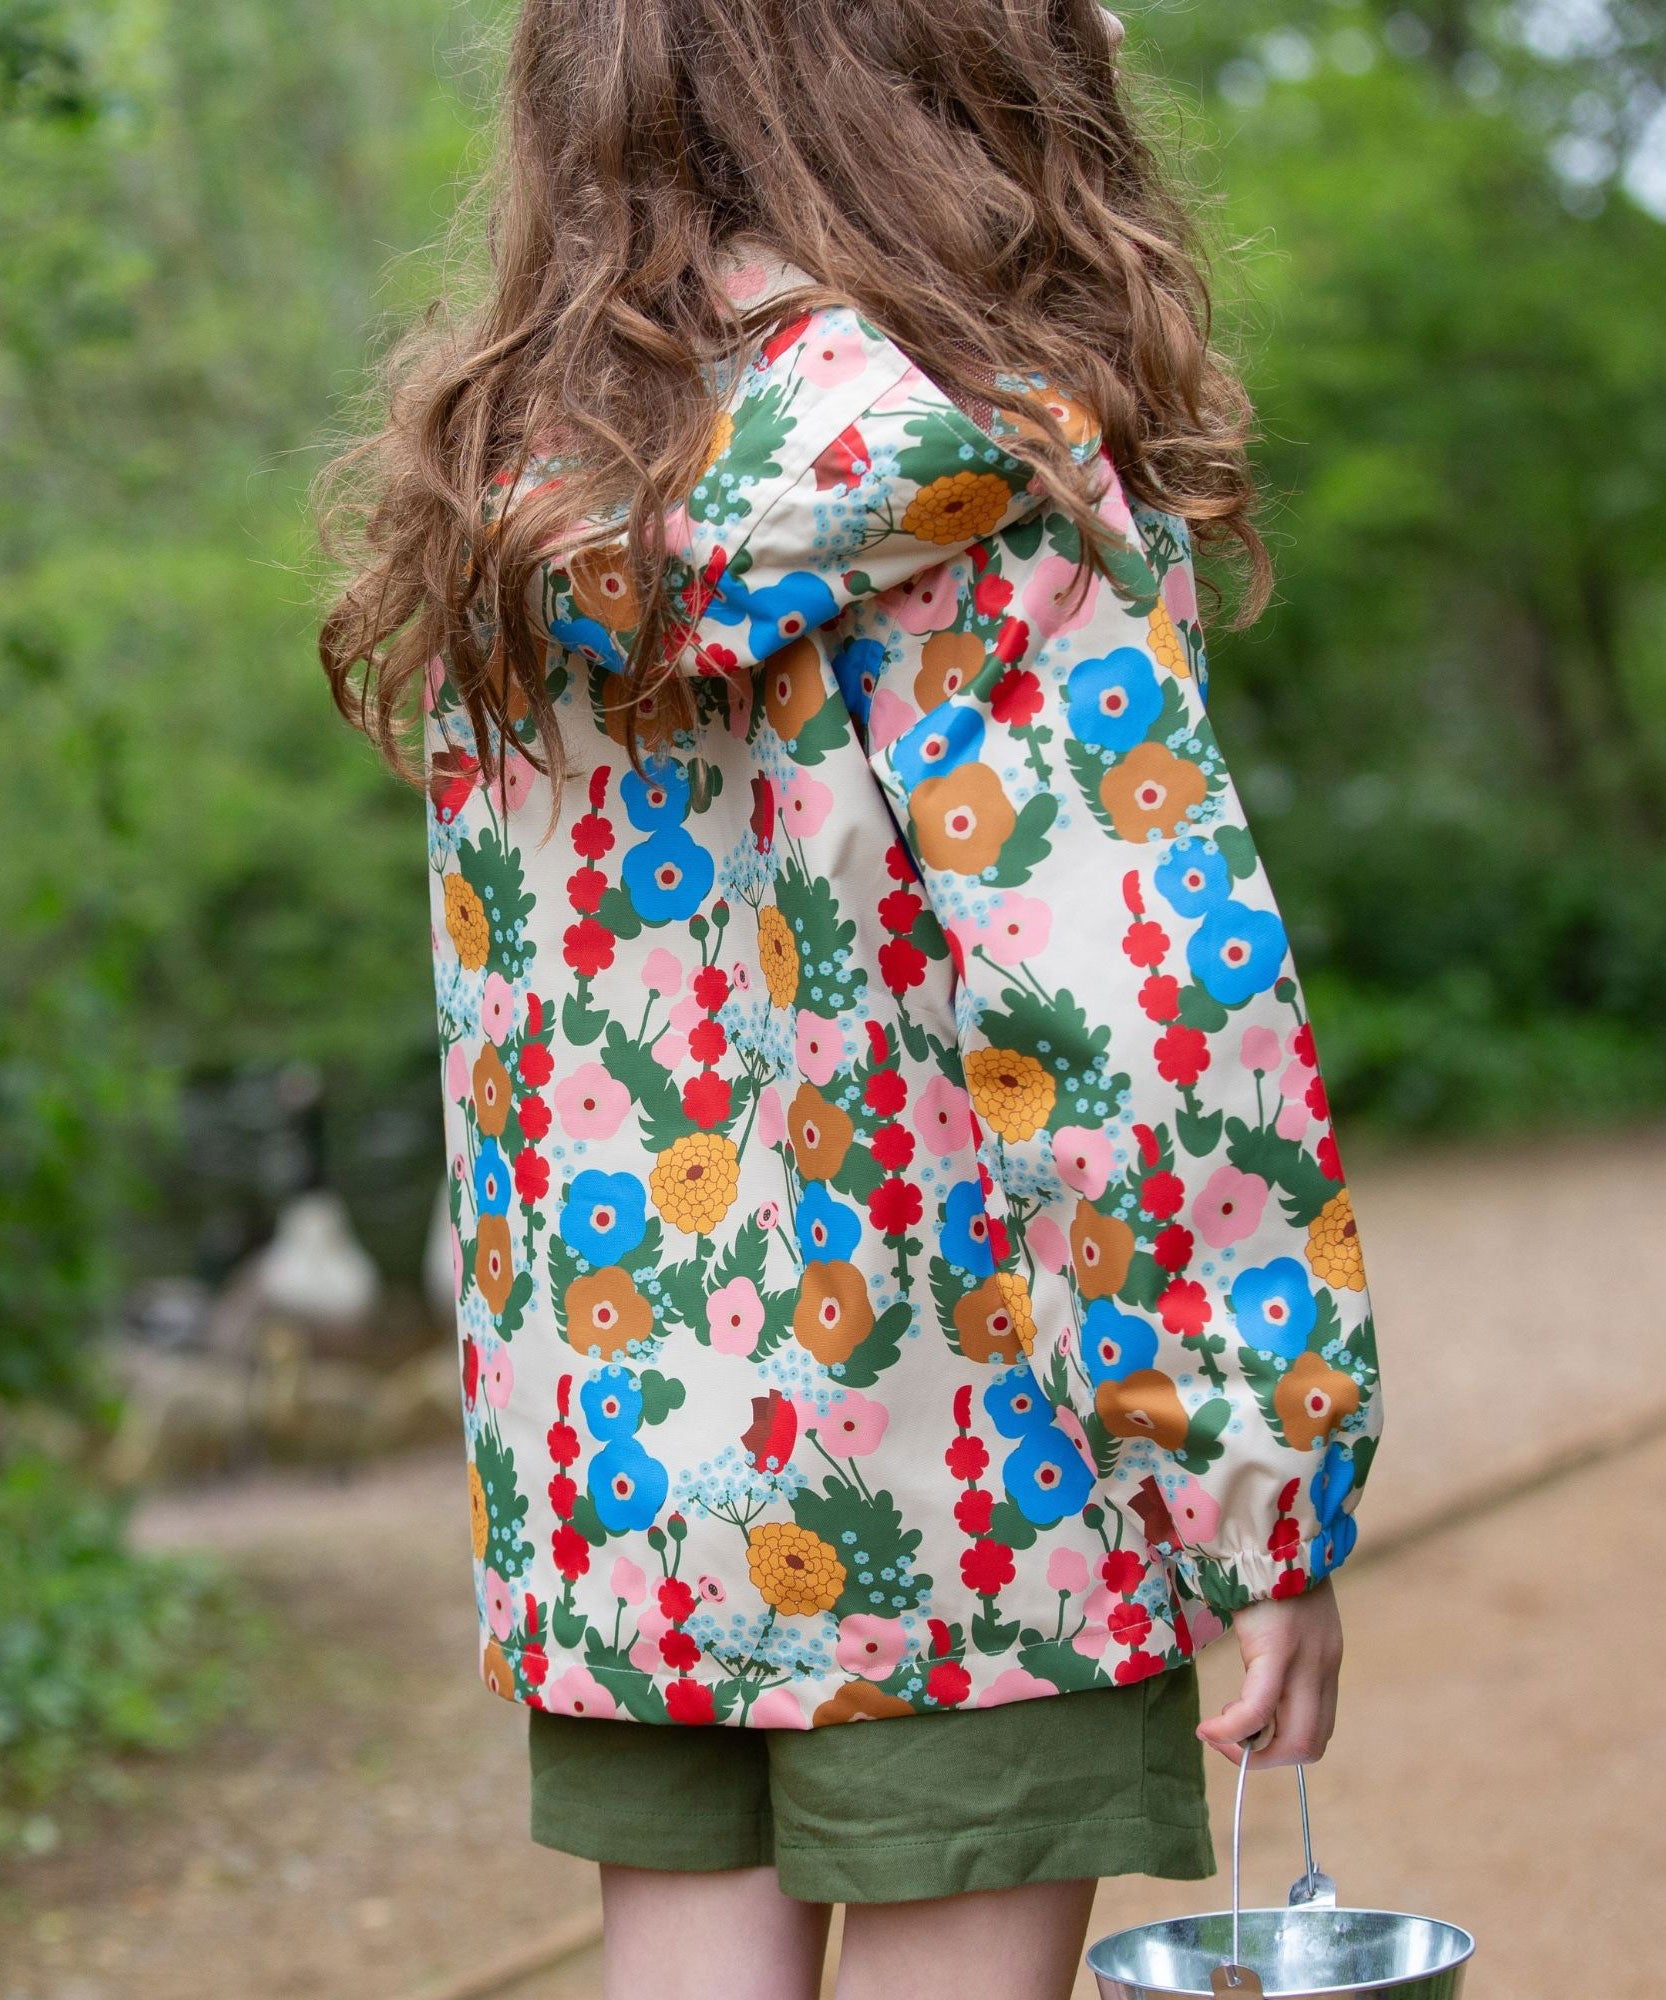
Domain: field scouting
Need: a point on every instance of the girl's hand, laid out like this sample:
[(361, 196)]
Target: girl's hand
[(1292, 1651)]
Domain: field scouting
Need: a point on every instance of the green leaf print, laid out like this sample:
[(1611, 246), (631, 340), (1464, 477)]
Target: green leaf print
[(1046, 1026), (876, 1353), (1023, 538), (1238, 851), (990, 1633), (761, 428), (1027, 846), (1008, 1525), (494, 874), (1058, 1661), (1283, 1162), (1088, 767), (1200, 1009), (1262, 1374), (617, 913), (587, 1521), (507, 1551), (659, 1103), (1134, 581), (1105, 1448), (830, 981), (508, 1321), (948, 1288), (870, 1540), (827, 730), (1199, 1131), (1203, 1436), (580, 1022), (1144, 1283), (661, 1394), (628, 1685)]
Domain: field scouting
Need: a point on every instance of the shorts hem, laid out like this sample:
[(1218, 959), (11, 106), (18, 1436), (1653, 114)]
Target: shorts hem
[(625, 1843)]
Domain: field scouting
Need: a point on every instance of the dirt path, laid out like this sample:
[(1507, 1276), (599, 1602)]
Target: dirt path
[(359, 1830)]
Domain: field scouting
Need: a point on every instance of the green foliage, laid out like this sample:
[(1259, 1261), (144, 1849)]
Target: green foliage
[(102, 1652)]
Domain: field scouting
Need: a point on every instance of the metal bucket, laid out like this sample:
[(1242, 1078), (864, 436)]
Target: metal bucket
[(1306, 1951)]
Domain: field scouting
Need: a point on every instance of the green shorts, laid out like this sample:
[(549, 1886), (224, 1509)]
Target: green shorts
[(1103, 1781)]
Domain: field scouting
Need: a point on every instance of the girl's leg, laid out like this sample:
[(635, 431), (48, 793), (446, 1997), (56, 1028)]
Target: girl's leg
[(692, 1935), (1023, 1944)]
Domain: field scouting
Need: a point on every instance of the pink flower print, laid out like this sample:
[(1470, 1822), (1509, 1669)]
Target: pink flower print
[(456, 1263), (628, 1580), (870, 1646), (1229, 1206), (433, 679), (1082, 1154), (1261, 1049), (1067, 1570), (925, 603), (1017, 928), (805, 804), (738, 714), (1292, 1085), (1180, 595), (679, 534), (745, 281), (772, 1119), (740, 979), (590, 1103), (819, 1047), (518, 780), (1291, 1122), (498, 1377), (459, 1079), (500, 1607), (1014, 1685), (1071, 1424), (497, 1008), (1206, 1625), (651, 1626), (1048, 1243), (735, 1316), (768, 1214), (1113, 506), (777, 1708), (888, 718), (671, 1049), (943, 1117), (687, 1015), (661, 972), (834, 359), (1195, 1511), (853, 1427), (1046, 595), (711, 1589), (578, 1692)]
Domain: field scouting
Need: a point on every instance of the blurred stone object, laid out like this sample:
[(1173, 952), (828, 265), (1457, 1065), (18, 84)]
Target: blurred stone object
[(167, 1313)]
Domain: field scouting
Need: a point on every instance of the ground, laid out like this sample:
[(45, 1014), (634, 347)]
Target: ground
[(359, 1829)]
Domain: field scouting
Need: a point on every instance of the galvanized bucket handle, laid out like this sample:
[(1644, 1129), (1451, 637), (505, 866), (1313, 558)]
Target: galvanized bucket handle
[(1312, 1886)]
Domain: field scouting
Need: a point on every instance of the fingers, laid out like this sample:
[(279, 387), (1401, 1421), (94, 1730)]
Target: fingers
[(1255, 1705), (1292, 1659)]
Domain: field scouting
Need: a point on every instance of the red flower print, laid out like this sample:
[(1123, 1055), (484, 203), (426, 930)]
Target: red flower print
[(878, 1047), (1162, 1195), (992, 596), (763, 813), (1000, 1243), (886, 1093), (570, 1550), (1137, 1667), (967, 1458), (1016, 699), (1146, 943), (770, 1437), (843, 462), (902, 965), (1184, 1307), (1132, 894), (1122, 1571), (690, 1701), (535, 1665), (534, 1115), (893, 1147), (1182, 1054), (532, 1175), (678, 1651), (974, 1510), (676, 1600), (785, 337), (898, 911), (1318, 1100), (1130, 1624), (563, 1491), (588, 947), (963, 1405), (536, 1065), (1160, 997), (1287, 1495), (1150, 1151), (598, 787), (562, 1440), (534, 1014), (942, 1639), (1285, 1539), (1329, 1158), (1183, 1634), (592, 836), (707, 1042), (1012, 641), (471, 1371), (711, 987), (1301, 1044), (987, 1567), (899, 863), (895, 1206), (948, 1684), (1290, 1583), (1173, 1247), (707, 1099), (585, 889)]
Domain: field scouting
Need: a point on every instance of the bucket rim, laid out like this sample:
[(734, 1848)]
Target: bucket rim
[(1462, 1957)]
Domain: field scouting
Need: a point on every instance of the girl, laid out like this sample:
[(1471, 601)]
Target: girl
[(904, 1272)]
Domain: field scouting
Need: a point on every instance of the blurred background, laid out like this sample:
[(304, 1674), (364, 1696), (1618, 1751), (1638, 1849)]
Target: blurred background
[(237, 1723)]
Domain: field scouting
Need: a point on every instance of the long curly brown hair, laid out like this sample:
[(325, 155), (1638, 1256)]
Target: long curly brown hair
[(971, 177)]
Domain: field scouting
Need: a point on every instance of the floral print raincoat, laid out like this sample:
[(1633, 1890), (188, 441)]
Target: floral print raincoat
[(902, 1258)]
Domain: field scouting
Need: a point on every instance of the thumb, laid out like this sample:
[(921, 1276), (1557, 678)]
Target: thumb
[(1252, 1709)]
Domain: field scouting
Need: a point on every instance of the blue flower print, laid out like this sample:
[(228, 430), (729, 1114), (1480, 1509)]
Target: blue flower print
[(660, 800), (1331, 1484), (1274, 1307), (1016, 1404), (588, 636), (856, 667), (1114, 700), (604, 1215), (1236, 952), (949, 736), (628, 1485), (612, 1403), (1046, 1477), (1115, 1344), (786, 610), (828, 1229), (667, 876), (1194, 877), (965, 1233), (1333, 1546), (491, 1179)]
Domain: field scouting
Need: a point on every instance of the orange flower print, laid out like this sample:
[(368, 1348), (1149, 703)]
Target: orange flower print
[(833, 1315), (963, 819), (602, 584), (795, 690), (1312, 1398), (492, 1092), (1144, 1404), (465, 921), (995, 1322), (1102, 1249), (858, 1701), (957, 508), (494, 1261), (606, 1311), (1151, 790), (948, 660), (821, 1133)]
